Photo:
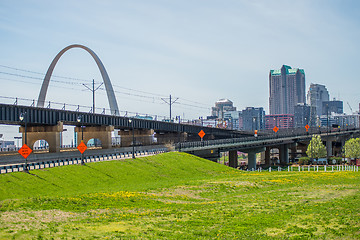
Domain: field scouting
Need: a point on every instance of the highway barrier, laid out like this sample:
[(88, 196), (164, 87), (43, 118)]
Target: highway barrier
[(77, 160)]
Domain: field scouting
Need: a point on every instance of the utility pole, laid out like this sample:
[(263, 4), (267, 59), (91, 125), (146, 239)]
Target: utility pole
[(93, 90), (170, 102)]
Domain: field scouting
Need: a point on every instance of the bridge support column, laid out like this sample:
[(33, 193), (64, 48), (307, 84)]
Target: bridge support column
[(103, 133), (267, 156), (252, 157), (329, 150), (252, 160), (142, 137), (284, 154), (170, 137), (51, 134), (293, 153), (233, 159)]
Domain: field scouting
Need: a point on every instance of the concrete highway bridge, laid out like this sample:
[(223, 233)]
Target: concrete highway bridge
[(292, 140), (47, 124)]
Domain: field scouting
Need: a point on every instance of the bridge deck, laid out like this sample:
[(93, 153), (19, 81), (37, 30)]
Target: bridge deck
[(9, 114)]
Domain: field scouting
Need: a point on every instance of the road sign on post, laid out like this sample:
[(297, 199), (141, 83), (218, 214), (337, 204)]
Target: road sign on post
[(275, 129), (25, 151), (307, 127), (201, 134), (255, 133), (82, 147)]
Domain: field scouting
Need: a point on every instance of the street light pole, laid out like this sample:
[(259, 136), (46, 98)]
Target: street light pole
[(79, 120), (23, 116), (179, 138), (131, 121)]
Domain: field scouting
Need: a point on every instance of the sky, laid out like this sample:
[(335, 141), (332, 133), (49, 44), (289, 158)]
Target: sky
[(197, 51)]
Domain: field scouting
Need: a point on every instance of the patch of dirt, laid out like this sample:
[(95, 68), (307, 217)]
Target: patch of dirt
[(181, 191), (27, 220), (274, 232), (44, 216), (235, 183), (323, 194)]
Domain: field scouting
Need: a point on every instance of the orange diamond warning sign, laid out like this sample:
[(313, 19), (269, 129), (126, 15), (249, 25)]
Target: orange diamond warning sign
[(201, 133), (82, 147), (275, 129), (25, 151), (307, 127)]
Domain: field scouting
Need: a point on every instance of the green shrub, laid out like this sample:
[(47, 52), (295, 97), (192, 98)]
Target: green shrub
[(304, 161)]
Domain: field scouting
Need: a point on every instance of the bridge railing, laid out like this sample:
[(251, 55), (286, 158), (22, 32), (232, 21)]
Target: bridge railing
[(79, 108), (248, 140)]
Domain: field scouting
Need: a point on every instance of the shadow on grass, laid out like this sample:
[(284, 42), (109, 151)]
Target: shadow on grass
[(43, 179), (97, 170)]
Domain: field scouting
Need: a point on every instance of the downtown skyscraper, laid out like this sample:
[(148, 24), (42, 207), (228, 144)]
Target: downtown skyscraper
[(317, 95), (287, 89)]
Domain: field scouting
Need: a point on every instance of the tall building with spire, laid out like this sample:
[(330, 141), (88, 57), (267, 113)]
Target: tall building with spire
[(287, 89)]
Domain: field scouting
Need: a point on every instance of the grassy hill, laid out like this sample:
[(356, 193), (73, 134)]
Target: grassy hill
[(141, 174), (177, 196)]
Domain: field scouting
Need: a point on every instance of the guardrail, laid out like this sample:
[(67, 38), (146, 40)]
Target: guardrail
[(77, 160)]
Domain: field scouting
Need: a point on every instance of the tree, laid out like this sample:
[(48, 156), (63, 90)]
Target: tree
[(316, 148), (352, 148)]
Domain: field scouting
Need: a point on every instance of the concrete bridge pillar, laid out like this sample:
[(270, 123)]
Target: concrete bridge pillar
[(233, 159), (142, 137), (328, 148), (293, 149), (284, 154), (103, 133), (252, 156), (170, 137), (51, 134), (252, 160), (267, 156)]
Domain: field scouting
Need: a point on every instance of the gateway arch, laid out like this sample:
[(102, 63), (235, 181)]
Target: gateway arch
[(109, 89)]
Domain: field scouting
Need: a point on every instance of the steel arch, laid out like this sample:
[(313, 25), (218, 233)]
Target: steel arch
[(109, 89)]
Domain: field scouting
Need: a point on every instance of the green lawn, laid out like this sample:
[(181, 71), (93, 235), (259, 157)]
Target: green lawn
[(177, 196)]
